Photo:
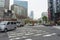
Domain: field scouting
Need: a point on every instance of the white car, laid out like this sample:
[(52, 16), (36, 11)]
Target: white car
[(7, 25)]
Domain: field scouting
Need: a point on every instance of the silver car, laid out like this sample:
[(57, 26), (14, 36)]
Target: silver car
[(7, 25), (20, 24)]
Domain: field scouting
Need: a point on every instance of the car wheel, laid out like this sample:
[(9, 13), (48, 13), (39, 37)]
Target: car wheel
[(22, 25), (5, 30), (14, 28)]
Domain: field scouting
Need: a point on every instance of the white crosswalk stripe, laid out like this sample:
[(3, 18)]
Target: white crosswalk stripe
[(15, 38), (28, 39), (49, 35), (37, 34), (26, 33)]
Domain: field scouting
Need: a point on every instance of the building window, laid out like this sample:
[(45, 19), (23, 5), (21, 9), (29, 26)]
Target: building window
[(51, 6), (51, 0), (57, 0), (57, 6), (2, 2)]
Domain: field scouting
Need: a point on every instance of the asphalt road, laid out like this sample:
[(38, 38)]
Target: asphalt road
[(37, 32), (3, 36)]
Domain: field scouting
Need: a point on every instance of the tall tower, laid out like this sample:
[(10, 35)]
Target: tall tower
[(53, 7), (32, 15)]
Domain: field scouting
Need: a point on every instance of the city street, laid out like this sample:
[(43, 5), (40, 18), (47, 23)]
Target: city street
[(37, 32), (31, 20)]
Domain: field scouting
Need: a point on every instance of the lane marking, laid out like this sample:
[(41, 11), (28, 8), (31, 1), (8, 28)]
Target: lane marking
[(37, 34), (17, 38), (10, 39), (29, 34), (28, 39), (12, 36), (44, 31), (49, 35), (24, 36)]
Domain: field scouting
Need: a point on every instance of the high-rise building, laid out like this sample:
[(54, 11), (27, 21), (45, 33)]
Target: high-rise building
[(20, 11), (20, 8), (45, 14), (53, 7), (4, 4), (32, 15), (21, 3)]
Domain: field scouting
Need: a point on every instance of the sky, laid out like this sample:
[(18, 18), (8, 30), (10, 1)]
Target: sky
[(38, 6)]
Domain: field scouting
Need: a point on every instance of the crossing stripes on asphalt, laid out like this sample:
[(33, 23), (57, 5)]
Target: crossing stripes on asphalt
[(29, 34), (28, 39), (16, 36), (37, 34), (49, 35)]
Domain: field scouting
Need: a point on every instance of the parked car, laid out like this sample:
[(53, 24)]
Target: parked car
[(7, 25), (20, 24), (30, 24), (48, 24)]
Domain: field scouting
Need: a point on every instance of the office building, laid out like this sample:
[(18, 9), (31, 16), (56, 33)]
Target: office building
[(4, 4), (53, 8), (20, 11), (21, 3), (32, 15), (20, 8), (45, 14)]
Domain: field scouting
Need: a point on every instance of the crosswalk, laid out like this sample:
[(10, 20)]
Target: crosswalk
[(13, 35)]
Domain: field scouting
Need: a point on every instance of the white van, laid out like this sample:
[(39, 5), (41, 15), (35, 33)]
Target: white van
[(7, 25)]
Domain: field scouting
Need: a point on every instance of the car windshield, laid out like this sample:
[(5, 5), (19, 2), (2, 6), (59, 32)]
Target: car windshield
[(3, 22), (18, 22)]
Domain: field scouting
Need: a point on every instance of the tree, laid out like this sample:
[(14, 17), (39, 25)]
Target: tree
[(44, 18), (40, 22)]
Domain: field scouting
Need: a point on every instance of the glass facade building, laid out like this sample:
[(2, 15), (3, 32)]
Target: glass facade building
[(20, 7), (21, 3), (19, 10), (32, 14), (54, 7), (2, 3)]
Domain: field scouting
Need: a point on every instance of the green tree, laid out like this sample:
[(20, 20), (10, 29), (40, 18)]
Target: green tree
[(40, 22), (44, 18)]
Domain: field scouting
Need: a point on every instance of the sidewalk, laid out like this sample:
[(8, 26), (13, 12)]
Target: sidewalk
[(58, 27)]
